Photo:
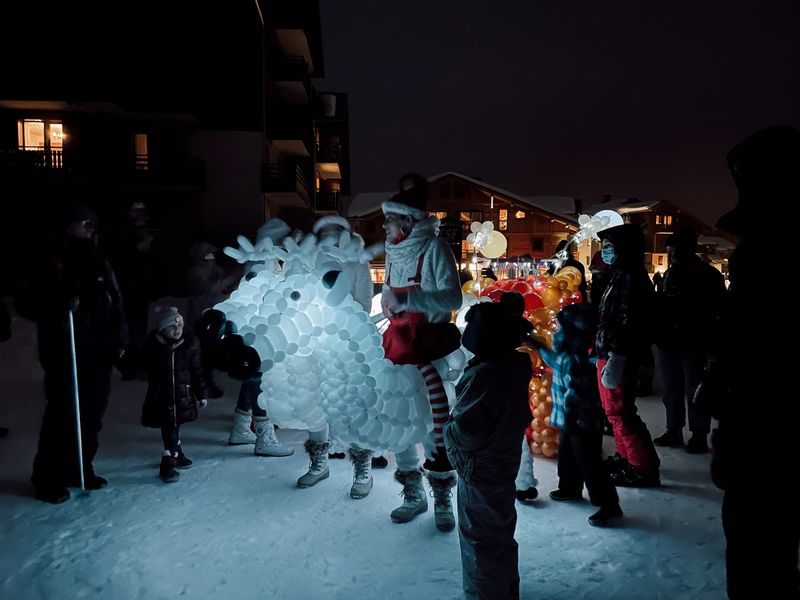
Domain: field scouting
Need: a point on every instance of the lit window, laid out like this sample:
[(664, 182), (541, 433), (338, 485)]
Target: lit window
[(503, 214), (668, 220), (658, 219), (440, 214), (38, 135), (520, 214), (660, 260), (140, 149)]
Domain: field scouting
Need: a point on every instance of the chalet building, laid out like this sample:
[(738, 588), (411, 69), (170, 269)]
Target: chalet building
[(207, 113), (533, 226), (661, 218)]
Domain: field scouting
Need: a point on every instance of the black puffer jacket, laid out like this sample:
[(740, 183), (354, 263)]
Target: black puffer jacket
[(626, 306), (175, 381), (75, 276)]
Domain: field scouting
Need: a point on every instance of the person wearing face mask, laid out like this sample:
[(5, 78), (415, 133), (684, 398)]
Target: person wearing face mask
[(420, 291), (73, 278), (623, 336), (175, 387)]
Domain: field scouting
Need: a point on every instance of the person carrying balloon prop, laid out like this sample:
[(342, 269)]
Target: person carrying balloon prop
[(419, 294)]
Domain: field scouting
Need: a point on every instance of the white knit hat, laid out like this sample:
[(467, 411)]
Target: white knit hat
[(166, 316), (331, 220)]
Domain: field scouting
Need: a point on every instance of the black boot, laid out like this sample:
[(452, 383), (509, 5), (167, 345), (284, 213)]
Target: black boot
[(528, 495), (606, 516), (379, 462), (181, 460), (166, 471), (53, 494), (671, 439)]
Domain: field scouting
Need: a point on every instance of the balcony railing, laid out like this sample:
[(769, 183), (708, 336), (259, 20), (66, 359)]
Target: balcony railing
[(327, 201), (167, 171), (284, 178), (330, 152), (28, 162)]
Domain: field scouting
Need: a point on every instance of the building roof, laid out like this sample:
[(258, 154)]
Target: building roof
[(624, 205), (719, 242), (561, 207)]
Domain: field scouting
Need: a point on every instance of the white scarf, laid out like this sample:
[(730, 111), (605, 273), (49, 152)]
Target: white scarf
[(417, 242)]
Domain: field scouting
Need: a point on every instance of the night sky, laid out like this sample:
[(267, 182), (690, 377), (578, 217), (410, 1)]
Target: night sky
[(578, 98)]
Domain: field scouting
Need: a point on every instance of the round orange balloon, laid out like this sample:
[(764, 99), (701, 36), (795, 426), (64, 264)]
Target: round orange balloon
[(549, 449), (538, 425), (537, 437), (573, 271), (536, 448), (551, 296)]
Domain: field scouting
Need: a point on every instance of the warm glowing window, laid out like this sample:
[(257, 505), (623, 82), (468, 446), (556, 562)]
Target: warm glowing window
[(667, 219), (520, 214), (658, 220), (140, 149), (660, 260), (39, 135), (503, 213), (471, 216), (440, 214)]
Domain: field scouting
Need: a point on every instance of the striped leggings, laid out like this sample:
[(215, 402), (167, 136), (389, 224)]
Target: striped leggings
[(438, 399)]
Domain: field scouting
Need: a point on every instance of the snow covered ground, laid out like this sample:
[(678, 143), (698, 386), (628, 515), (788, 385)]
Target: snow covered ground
[(236, 527)]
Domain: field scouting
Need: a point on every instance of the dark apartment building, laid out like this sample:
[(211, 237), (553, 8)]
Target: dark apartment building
[(206, 112)]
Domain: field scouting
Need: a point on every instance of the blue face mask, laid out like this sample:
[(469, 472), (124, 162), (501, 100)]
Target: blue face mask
[(609, 256)]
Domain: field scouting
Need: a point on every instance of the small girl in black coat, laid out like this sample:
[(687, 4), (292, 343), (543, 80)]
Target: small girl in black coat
[(175, 387)]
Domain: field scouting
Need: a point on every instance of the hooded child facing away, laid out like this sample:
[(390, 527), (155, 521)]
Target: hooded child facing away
[(484, 439)]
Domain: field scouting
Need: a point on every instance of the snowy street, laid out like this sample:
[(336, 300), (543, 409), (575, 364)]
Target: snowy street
[(236, 527)]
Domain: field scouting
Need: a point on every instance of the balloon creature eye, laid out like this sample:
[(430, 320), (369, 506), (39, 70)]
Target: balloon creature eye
[(295, 296)]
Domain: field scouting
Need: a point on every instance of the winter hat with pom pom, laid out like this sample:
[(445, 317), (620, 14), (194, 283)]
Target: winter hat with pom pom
[(166, 316)]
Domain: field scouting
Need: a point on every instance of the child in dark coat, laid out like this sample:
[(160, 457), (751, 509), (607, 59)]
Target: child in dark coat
[(483, 438), (175, 383), (577, 411)]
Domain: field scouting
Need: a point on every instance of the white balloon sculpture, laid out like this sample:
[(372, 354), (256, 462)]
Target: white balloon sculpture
[(486, 240), (321, 354), (590, 226)]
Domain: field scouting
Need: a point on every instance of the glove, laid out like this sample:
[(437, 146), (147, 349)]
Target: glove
[(612, 371), (202, 403)]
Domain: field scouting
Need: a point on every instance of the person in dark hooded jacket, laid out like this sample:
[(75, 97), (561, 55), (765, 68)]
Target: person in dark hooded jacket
[(623, 337), (483, 437), (688, 305), (750, 381), (175, 389), (74, 278)]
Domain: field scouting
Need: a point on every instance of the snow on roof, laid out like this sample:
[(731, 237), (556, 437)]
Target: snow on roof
[(712, 240), (366, 203), (623, 205), (562, 207)]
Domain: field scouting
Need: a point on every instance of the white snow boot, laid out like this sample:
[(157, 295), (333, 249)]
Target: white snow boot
[(441, 484), (267, 443), (414, 500), (318, 464), (362, 476), (240, 433)]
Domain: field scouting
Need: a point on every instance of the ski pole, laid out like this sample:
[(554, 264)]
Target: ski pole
[(75, 393)]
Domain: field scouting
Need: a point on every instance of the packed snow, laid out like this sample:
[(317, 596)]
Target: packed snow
[(236, 527)]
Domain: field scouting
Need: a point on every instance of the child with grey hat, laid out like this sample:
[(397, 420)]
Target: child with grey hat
[(176, 387)]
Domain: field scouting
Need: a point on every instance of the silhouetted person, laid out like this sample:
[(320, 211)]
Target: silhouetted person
[(5, 335), (687, 310), (75, 278), (132, 259), (753, 382)]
